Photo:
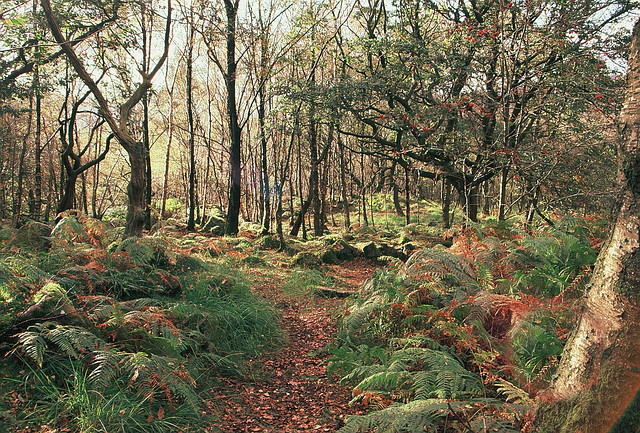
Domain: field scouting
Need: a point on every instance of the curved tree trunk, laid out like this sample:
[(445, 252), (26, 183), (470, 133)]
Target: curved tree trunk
[(598, 374), (135, 150)]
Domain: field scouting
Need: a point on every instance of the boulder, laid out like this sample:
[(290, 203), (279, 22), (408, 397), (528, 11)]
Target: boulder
[(69, 230), (307, 259), (215, 225), (51, 300), (33, 236), (145, 251), (370, 250)]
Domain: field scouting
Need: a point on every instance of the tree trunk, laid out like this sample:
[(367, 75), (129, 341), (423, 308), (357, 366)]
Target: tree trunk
[(264, 166), (17, 197), (235, 133), (38, 149), (502, 205), (68, 193), (407, 197), (191, 223), (147, 158), (135, 150), (167, 159), (136, 192), (446, 204), (314, 177), (487, 199), (343, 182), (598, 374)]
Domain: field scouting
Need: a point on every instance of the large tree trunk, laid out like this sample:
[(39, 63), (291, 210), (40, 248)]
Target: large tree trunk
[(598, 374)]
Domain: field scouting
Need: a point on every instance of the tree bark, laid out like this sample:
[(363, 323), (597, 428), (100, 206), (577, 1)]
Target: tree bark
[(343, 182), (235, 132), (598, 374), (446, 204), (191, 222), (502, 205)]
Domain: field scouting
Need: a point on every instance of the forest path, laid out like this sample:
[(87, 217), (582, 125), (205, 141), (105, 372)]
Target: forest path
[(291, 391)]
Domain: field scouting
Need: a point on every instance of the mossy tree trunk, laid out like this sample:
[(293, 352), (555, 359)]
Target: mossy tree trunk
[(598, 374)]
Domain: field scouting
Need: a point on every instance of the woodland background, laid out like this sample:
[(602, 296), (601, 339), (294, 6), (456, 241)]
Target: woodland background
[(503, 108), (182, 184)]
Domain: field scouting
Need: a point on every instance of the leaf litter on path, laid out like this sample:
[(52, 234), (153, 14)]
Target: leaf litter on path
[(293, 392)]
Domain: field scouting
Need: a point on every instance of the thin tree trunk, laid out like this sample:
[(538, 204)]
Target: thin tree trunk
[(192, 150), (266, 192), (487, 201), (344, 188), (363, 192), (147, 157), (38, 149), (407, 197), (17, 197), (167, 159), (235, 133), (446, 204), (502, 205)]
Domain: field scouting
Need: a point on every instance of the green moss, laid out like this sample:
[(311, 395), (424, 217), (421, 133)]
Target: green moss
[(587, 411), (51, 290)]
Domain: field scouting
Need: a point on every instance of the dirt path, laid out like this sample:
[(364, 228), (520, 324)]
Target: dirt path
[(293, 392)]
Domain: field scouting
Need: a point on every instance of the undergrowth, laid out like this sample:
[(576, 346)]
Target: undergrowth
[(124, 338), (461, 339)]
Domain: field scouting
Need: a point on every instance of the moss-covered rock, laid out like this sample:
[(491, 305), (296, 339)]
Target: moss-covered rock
[(344, 250), (330, 239), (216, 225), (70, 231), (50, 300), (269, 242), (362, 229), (370, 250), (33, 236), (99, 231), (307, 259), (328, 255), (146, 251)]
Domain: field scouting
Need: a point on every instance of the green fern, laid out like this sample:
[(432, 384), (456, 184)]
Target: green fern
[(426, 373), (439, 261), (431, 415), (153, 376), (73, 341)]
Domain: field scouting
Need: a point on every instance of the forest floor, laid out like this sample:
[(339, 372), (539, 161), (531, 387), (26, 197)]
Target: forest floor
[(290, 390)]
